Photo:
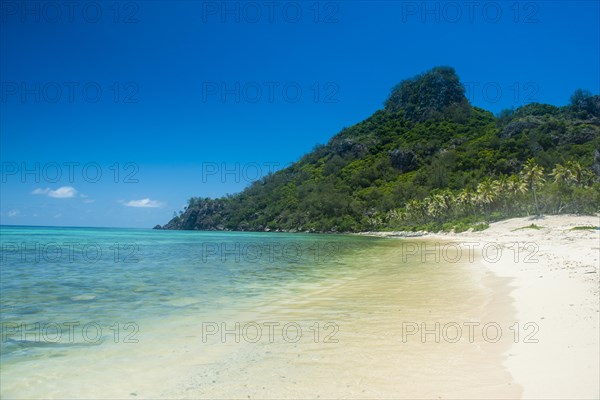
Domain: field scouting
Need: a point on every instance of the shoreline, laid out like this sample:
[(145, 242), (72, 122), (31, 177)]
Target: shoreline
[(370, 310), (373, 296), (553, 273)]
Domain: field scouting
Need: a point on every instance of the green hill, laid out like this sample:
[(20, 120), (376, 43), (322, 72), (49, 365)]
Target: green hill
[(428, 160)]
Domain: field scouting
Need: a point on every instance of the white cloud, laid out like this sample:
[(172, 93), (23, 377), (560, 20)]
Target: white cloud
[(86, 198), (13, 213), (144, 203), (63, 192)]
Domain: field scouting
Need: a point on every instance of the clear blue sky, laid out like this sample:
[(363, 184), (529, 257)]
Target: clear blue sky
[(181, 89)]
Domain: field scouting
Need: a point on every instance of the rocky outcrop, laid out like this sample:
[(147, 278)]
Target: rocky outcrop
[(403, 160)]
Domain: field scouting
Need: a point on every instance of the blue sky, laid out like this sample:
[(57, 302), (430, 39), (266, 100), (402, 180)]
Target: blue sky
[(114, 114)]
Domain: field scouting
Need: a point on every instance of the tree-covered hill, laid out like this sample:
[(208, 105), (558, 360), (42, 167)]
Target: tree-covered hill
[(428, 160)]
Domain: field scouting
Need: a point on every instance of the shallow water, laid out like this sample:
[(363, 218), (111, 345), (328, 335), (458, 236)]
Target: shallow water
[(125, 313)]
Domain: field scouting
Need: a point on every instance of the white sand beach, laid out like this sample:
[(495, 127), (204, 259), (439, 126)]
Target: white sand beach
[(554, 283)]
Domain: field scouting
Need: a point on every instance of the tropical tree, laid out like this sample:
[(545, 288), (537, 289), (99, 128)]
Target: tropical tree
[(533, 175), (501, 187), (430, 207), (486, 195), (516, 187), (465, 199), (448, 199), (563, 177), (415, 209), (562, 174), (580, 175)]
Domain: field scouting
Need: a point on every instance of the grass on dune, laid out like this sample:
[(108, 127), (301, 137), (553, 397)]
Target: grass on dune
[(532, 226), (585, 228)]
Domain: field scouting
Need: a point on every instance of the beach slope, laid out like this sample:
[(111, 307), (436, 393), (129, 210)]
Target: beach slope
[(555, 284)]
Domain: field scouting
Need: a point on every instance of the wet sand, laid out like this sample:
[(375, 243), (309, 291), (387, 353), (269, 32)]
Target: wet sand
[(377, 354)]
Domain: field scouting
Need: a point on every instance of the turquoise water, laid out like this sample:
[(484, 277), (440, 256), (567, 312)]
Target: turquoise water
[(123, 313), (64, 288)]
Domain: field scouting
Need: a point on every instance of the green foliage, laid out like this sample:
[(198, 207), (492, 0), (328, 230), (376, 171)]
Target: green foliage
[(417, 166), (585, 228), (481, 227), (432, 95), (584, 104)]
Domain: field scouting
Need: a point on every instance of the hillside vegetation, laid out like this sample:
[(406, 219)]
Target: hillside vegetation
[(428, 160)]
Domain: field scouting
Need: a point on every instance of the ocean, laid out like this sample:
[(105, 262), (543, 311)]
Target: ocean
[(139, 313)]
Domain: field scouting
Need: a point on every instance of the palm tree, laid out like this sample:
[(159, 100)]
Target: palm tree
[(414, 209), (562, 174), (430, 207), (449, 200), (486, 195), (580, 175), (501, 187), (563, 177), (515, 187), (533, 175), (394, 214), (465, 199), (435, 206)]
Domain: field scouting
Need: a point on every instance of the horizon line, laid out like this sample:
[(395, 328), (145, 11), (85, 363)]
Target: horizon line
[(69, 226)]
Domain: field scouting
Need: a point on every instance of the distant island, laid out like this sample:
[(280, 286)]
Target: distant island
[(428, 161)]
